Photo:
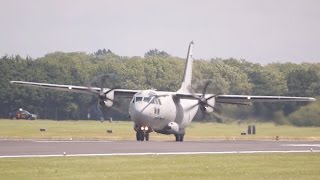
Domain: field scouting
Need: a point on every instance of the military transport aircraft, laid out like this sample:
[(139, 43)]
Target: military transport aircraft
[(165, 112)]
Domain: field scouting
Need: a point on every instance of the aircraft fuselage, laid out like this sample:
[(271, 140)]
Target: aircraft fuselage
[(156, 110)]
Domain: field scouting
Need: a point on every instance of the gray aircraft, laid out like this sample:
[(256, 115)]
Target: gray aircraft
[(162, 111)]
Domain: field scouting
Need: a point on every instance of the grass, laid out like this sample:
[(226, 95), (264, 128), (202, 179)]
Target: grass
[(81, 130), (223, 166), (236, 166), (95, 130)]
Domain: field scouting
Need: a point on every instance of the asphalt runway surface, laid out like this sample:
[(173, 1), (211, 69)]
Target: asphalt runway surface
[(35, 148)]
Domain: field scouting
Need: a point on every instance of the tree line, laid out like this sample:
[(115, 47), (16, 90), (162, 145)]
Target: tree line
[(162, 71)]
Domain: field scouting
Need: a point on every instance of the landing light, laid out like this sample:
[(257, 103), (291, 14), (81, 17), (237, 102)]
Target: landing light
[(144, 128)]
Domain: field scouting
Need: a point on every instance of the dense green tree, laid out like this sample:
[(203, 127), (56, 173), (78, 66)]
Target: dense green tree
[(156, 52), (157, 70), (306, 116)]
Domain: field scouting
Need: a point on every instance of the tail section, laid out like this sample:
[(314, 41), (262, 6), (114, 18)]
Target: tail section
[(186, 82)]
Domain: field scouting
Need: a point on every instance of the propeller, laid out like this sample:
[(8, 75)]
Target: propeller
[(217, 115), (203, 103), (95, 109), (100, 93), (102, 96), (202, 100)]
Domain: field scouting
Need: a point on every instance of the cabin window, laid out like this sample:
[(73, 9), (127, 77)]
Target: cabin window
[(138, 99)]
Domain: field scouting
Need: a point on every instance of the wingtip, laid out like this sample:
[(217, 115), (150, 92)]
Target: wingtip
[(312, 99)]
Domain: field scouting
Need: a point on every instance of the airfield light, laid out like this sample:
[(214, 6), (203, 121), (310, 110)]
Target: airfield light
[(146, 128), (142, 128)]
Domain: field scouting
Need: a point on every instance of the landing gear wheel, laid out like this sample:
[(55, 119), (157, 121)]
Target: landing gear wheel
[(179, 137), (140, 135), (137, 136)]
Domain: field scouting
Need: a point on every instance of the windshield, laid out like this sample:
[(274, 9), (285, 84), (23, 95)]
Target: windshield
[(138, 99), (146, 99)]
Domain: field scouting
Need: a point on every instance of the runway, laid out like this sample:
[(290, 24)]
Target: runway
[(30, 148)]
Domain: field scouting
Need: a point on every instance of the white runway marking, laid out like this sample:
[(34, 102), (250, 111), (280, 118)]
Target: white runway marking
[(302, 145), (157, 154), (70, 141)]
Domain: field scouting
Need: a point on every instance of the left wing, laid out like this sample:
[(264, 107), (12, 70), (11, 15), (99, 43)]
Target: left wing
[(242, 99), (247, 99), (77, 89)]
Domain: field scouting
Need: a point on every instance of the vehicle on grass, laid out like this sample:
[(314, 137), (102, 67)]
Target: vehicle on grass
[(22, 114)]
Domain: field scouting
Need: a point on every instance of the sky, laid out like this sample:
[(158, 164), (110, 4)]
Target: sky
[(259, 31)]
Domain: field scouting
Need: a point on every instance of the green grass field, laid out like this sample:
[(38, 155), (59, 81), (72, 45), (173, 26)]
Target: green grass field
[(235, 166), (95, 130)]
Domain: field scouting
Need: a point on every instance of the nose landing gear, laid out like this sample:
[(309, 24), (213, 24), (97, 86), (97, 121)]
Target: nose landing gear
[(142, 133)]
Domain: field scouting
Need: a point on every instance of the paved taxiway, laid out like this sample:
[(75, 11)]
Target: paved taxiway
[(29, 148)]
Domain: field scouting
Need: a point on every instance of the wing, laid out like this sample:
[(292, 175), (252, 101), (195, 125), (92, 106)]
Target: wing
[(77, 89), (242, 99), (234, 99)]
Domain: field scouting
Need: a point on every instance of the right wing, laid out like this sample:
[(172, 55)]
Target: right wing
[(77, 89)]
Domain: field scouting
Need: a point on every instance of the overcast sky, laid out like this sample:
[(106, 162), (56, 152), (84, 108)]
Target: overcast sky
[(256, 30)]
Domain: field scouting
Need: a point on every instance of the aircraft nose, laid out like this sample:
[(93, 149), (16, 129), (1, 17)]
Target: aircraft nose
[(140, 107), (140, 112)]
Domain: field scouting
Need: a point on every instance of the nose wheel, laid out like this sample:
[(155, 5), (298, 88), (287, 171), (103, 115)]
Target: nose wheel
[(142, 135)]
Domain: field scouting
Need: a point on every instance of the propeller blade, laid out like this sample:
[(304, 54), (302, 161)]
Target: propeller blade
[(205, 88), (99, 105), (191, 107), (210, 106), (211, 97), (117, 87)]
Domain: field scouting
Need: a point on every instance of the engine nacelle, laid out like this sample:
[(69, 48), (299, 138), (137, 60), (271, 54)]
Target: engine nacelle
[(208, 109), (109, 95), (173, 127), (107, 103), (210, 102)]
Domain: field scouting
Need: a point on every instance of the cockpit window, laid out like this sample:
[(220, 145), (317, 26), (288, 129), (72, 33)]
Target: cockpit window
[(138, 99), (146, 99), (153, 100)]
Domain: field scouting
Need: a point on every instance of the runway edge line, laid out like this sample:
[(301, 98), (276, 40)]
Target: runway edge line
[(156, 154)]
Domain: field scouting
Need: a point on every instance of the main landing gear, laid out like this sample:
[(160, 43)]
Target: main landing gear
[(179, 137)]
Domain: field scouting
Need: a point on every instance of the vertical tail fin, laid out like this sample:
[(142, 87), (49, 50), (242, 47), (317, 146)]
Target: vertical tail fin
[(186, 82)]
